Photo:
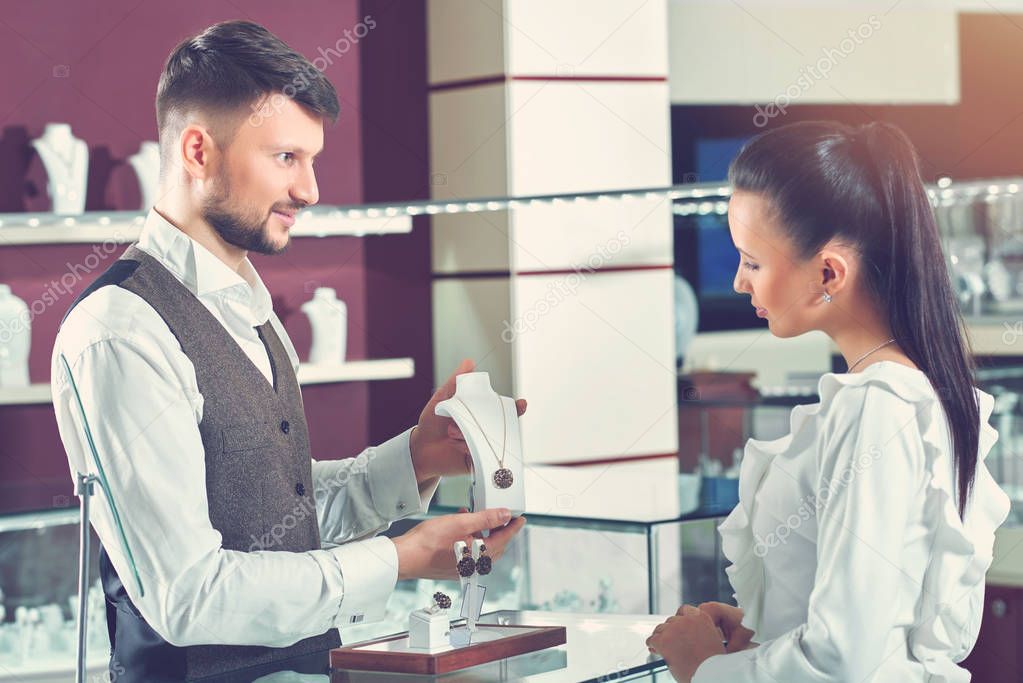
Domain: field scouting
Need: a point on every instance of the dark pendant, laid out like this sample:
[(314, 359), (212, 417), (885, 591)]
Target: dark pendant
[(466, 567), (503, 478), (484, 564)]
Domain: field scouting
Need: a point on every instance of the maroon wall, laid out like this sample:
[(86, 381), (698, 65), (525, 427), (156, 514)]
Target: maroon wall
[(396, 166), (95, 64)]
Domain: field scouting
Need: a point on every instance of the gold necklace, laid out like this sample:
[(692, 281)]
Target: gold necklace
[(503, 476)]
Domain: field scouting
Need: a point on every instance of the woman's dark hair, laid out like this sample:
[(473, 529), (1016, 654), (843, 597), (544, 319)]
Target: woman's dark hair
[(227, 69), (862, 185)]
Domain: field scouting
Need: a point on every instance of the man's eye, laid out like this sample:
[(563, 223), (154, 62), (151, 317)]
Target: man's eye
[(286, 156)]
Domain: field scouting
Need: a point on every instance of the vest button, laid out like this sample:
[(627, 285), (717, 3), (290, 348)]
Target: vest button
[(285, 427), (300, 489)]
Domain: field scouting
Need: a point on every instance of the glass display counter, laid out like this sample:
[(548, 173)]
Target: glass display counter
[(618, 562), (563, 564), (39, 599)]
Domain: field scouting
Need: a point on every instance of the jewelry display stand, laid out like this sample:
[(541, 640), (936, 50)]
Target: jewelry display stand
[(146, 164), (66, 160), (430, 648), (472, 601), (328, 317), (429, 628), (490, 424)]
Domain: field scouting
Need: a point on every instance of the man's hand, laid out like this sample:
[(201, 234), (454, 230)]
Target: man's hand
[(427, 550), (729, 620), (437, 445), (685, 641)]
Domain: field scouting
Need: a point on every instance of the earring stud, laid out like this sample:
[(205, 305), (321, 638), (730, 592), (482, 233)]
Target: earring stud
[(827, 298)]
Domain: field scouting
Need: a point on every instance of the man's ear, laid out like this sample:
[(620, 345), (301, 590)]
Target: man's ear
[(197, 149)]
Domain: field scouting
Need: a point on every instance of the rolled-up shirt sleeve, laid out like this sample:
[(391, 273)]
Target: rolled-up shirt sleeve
[(870, 475), (143, 420)]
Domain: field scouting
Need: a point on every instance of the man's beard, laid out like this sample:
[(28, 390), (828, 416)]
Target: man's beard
[(246, 231)]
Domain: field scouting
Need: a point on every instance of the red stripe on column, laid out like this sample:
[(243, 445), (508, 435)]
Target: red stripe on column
[(611, 460), (608, 269), (482, 274), (491, 80)]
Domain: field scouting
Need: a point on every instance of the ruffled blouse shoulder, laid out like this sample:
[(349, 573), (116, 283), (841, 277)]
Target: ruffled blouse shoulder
[(962, 549)]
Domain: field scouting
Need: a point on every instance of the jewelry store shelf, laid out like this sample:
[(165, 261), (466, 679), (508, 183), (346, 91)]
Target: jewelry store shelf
[(123, 227), (356, 371), (308, 373)]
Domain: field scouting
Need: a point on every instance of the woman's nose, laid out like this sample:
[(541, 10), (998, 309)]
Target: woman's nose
[(738, 284)]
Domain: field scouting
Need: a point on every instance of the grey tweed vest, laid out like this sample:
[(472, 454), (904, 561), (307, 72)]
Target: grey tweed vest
[(258, 474)]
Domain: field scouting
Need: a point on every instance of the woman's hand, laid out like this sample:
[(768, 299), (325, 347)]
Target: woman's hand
[(427, 550), (729, 620), (685, 641)]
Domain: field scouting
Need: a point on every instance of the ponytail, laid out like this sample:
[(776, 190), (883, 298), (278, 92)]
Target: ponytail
[(923, 312), (863, 185)]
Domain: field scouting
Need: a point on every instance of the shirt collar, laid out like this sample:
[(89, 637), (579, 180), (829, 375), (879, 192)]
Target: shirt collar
[(200, 271)]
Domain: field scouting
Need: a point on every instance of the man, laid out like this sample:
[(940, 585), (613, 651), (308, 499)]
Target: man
[(224, 544)]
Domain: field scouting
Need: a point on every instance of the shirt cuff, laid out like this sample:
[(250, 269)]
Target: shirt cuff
[(392, 479), (369, 572)]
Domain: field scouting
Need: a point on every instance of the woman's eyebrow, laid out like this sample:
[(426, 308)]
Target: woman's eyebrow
[(743, 251)]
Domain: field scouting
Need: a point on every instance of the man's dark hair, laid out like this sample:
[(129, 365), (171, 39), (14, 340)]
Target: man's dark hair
[(226, 70)]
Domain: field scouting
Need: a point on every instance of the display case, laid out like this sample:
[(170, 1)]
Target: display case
[(559, 563), (38, 599), (618, 562)]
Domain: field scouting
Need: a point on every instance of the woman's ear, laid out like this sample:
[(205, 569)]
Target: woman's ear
[(833, 271)]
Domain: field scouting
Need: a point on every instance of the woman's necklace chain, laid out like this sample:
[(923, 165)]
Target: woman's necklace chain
[(876, 348)]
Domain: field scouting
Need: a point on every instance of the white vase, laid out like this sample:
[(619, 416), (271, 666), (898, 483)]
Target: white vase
[(15, 337), (328, 317)]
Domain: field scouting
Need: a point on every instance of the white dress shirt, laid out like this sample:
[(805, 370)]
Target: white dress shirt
[(849, 557), (143, 406)]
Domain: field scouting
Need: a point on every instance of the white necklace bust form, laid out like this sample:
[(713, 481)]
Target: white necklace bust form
[(328, 317), (490, 424), (146, 163), (66, 160)]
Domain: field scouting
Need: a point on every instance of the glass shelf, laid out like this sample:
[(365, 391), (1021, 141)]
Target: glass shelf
[(123, 227), (384, 218), (713, 198), (308, 373)]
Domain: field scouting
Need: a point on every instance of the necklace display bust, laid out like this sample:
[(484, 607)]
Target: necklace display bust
[(146, 164), (490, 424), (66, 160)]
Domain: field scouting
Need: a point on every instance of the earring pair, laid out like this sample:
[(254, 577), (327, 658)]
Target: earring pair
[(467, 566)]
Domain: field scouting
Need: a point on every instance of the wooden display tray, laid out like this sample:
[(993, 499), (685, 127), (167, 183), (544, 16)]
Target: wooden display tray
[(391, 655)]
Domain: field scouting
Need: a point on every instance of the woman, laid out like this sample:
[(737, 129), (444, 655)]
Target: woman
[(861, 539)]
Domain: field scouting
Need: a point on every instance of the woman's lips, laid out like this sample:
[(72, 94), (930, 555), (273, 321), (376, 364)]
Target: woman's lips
[(761, 312), (286, 218)]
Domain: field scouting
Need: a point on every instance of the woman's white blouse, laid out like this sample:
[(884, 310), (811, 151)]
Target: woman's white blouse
[(848, 555)]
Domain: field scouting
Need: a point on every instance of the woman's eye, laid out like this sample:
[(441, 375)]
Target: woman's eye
[(750, 266)]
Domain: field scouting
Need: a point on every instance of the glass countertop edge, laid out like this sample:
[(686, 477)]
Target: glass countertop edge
[(700, 513)]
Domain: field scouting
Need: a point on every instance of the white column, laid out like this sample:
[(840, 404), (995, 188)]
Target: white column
[(569, 305)]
